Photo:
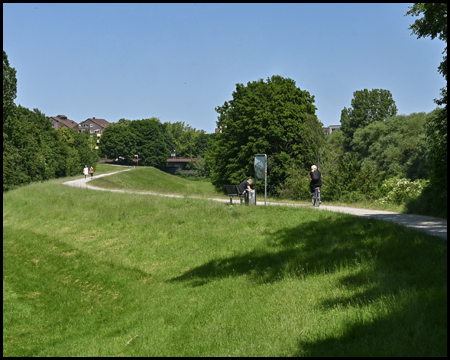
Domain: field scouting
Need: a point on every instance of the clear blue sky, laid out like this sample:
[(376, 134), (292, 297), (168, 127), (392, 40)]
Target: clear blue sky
[(179, 61)]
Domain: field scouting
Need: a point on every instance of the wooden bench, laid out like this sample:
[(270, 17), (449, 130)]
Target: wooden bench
[(233, 190)]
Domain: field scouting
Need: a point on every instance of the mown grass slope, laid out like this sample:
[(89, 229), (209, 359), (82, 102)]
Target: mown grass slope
[(153, 180), (88, 273)]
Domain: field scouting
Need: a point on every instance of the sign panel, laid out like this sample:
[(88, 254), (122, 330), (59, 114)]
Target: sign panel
[(260, 166)]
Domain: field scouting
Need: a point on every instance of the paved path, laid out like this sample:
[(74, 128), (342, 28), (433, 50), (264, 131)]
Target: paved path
[(428, 224)]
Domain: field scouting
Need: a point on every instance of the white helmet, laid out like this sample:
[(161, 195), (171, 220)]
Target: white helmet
[(313, 167)]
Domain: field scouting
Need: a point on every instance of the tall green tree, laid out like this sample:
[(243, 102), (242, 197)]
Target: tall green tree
[(9, 91), (396, 146), (186, 140), (367, 107), (118, 140), (433, 23), (150, 141), (273, 117), (202, 142), (72, 165), (32, 150)]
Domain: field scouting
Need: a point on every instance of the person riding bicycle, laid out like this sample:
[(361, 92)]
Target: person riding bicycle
[(315, 176)]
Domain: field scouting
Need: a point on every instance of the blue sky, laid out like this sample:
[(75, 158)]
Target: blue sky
[(179, 61)]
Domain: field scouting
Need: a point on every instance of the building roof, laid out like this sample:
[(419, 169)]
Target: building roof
[(180, 159), (64, 120), (100, 122)]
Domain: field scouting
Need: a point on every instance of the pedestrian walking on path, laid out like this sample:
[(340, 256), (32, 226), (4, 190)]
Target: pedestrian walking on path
[(91, 171), (85, 171)]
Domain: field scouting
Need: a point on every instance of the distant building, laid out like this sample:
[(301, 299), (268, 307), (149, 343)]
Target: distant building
[(94, 126), (174, 164), (61, 121), (329, 129)]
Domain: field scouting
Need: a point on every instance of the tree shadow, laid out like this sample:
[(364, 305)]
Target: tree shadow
[(386, 260), (320, 247), (431, 225)]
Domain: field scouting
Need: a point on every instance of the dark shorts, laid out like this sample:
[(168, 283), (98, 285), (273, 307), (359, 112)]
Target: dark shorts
[(312, 186)]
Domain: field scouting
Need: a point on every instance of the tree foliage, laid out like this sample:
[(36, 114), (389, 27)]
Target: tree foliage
[(436, 128), (117, 140), (367, 107), (186, 141), (396, 146), (34, 152), (32, 149), (9, 89), (273, 117), (146, 138), (150, 141), (433, 23)]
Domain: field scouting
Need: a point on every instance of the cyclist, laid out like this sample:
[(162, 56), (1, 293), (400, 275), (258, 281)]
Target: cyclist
[(315, 176)]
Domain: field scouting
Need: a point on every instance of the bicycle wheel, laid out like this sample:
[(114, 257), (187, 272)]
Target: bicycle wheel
[(315, 200)]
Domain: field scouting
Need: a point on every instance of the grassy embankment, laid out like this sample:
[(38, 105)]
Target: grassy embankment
[(85, 272)]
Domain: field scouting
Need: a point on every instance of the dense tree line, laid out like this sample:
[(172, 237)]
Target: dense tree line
[(358, 162), (152, 141), (374, 147), (433, 23), (272, 117), (32, 149)]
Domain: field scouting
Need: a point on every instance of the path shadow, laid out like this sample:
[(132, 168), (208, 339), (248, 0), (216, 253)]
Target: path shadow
[(431, 225)]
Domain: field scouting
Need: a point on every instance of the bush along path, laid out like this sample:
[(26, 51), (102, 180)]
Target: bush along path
[(428, 224)]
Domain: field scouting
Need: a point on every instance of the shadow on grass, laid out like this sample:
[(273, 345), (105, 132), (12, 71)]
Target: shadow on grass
[(327, 246), (375, 261)]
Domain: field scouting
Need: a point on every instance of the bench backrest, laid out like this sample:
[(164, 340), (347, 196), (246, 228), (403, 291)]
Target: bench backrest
[(231, 189)]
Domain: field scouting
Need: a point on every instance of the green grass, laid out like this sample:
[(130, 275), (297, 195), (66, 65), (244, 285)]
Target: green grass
[(152, 180), (105, 168), (84, 272)]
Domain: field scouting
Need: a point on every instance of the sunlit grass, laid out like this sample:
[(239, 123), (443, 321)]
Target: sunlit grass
[(153, 180), (85, 272)]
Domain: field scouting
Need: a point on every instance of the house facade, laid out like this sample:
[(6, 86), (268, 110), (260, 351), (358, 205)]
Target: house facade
[(94, 127), (329, 129), (61, 121)]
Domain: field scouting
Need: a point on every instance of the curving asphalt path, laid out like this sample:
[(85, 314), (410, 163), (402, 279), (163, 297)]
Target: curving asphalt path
[(428, 224)]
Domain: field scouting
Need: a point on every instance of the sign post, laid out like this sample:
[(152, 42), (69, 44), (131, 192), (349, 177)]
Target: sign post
[(261, 173)]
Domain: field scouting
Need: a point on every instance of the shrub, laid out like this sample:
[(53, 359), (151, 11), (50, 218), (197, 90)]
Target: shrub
[(432, 202), (398, 190), (185, 173), (295, 187)]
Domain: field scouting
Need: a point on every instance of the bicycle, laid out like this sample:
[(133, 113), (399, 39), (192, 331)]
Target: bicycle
[(316, 199)]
